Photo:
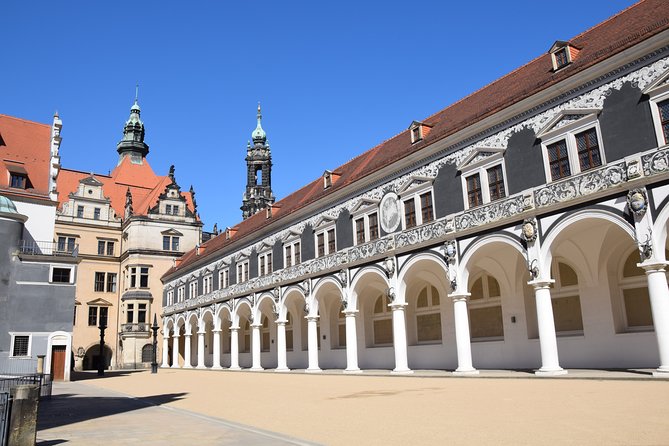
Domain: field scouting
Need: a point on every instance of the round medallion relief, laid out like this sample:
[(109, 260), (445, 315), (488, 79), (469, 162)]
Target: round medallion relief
[(390, 212)]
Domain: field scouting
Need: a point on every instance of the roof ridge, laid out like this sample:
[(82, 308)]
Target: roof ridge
[(85, 172), (25, 120), (597, 25)]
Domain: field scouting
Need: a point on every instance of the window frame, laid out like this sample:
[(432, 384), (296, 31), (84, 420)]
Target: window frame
[(265, 263), (193, 289), (414, 194), (242, 269), (364, 214), (328, 231), (223, 278), (21, 180), (292, 250), (470, 168), (181, 293), (14, 335), (207, 283), (657, 96), (52, 267)]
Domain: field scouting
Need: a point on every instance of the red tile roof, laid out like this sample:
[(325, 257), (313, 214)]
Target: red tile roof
[(28, 145), (145, 186), (625, 29)]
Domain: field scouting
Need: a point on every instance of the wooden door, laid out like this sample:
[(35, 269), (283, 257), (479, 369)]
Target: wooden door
[(58, 362)]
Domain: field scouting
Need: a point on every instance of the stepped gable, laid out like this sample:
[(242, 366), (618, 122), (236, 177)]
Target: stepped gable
[(27, 144), (623, 30)]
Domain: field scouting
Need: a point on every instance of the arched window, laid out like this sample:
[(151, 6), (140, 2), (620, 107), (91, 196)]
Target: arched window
[(383, 322), (264, 335), (428, 316), (147, 353), (341, 328), (637, 314), (566, 300), (246, 335), (289, 332), (485, 309)]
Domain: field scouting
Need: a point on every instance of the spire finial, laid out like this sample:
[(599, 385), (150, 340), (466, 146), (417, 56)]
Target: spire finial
[(136, 92)]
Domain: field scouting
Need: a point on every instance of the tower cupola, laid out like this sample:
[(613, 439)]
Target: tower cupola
[(258, 194), (133, 144)]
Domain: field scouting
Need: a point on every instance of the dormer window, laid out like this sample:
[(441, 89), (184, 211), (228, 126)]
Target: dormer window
[(18, 175), (329, 178), (562, 54), (18, 181), (419, 131)]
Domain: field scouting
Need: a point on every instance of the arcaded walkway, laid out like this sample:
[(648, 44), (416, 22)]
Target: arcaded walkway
[(583, 408)]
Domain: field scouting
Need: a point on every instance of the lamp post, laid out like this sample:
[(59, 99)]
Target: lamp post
[(154, 328), (101, 360)]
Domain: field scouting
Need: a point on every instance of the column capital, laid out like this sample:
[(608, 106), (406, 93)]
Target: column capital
[(351, 313), (538, 284), (188, 335), (651, 265), (312, 318), (175, 335), (216, 330), (235, 329), (203, 332), (281, 322), (460, 297), (398, 306), (254, 326)]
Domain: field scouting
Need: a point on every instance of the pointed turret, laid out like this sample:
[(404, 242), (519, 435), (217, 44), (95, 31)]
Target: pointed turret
[(133, 144), (259, 135), (258, 194)]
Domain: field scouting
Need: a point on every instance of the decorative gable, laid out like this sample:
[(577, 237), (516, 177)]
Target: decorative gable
[(364, 204), (171, 231), (99, 303), (566, 119), (659, 86), (325, 220), (415, 182), (479, 156), (291, 235)]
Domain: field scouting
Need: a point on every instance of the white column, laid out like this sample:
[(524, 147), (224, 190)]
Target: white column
[(234, 348), (462, 335), (400, 339), (166, 347), (658, 291), (187, 359), (550, 364), (255, 347), (312, 343), (200, 349), (217, 349), (282, 365), (351, 342), (175, 350)]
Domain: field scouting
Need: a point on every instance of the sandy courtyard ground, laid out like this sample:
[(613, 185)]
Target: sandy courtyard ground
[(338, 410)]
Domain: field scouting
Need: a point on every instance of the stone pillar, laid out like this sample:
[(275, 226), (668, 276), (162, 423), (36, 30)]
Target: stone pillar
[(282, 365), (166, 347), (351, 342), (234, 348), (312, 343), (23, 418), (550, 364), (217, 349), (400, 339), (658, 291), (200, 350), (175, 350), (255, 347), (462, 335), (187, 354)]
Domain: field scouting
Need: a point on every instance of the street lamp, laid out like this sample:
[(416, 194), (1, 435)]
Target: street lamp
[(154, 328), (101, 360)]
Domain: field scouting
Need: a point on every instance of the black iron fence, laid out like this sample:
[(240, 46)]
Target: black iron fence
[(43, 381)]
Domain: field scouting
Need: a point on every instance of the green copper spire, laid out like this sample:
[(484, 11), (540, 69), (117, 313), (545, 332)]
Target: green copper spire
[(259, 134), (133, 136)]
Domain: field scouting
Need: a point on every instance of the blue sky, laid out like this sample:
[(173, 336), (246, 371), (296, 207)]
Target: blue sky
[(334, 78)]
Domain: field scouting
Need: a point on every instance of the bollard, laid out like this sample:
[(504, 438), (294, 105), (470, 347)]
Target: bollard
[(23, 419)]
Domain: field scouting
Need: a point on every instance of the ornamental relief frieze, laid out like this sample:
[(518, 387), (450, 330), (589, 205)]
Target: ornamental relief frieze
[(574, 187)]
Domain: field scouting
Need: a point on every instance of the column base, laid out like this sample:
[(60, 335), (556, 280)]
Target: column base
[(283, 369), (200, 367), (174, 367), (661, 372), (187, 367), (234, 368), (216, 367), (465, 372), (256, 369), (402, 372), (315, 370), (352, 371), (553, 372)]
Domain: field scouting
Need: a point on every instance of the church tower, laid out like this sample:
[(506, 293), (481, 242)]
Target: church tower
[(133, 144), (258, 193)]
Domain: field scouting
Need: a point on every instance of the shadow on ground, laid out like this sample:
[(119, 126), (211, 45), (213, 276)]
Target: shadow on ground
[(92, 374), (66, 409)]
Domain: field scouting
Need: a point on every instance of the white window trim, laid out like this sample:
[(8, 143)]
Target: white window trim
[(568, 133), (364, 213), (291, 243), (170, 297), (57, 265), (192, 289), (658, 94), (223, 277), (481, 167), (181, 293), (415, 193), (30, 345), (241, 263), (207, 283), (263, 257), (324, 229)]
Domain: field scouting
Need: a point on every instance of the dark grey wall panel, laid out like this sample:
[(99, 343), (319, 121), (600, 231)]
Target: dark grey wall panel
[(277, 255), (344, 230), (447, 191), (626, 123), (307, 242), (233, 272), (253, 264), (523, 161)]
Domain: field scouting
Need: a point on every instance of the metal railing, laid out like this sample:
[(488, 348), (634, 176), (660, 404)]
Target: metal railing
[(48, 248), (7, 382)]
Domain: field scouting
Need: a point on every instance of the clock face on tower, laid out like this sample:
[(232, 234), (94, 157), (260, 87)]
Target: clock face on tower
[(390, 212)]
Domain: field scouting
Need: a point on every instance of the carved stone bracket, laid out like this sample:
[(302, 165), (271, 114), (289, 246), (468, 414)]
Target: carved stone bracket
[(528, 230), (388, 266), (637, 202)]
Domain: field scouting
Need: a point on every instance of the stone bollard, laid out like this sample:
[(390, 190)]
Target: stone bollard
[(23, 421)]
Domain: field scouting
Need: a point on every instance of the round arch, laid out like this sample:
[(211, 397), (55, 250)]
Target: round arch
[(372, 274), (477, 246)]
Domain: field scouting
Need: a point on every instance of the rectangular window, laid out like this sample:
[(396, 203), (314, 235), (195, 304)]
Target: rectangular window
[(21, 344), (663, 107), (175, 210), (181, 291), (133, 277), (141, 313), (17, 181), (331, 241), (360, 231), (426, 207), (130, 314), (206, 284), (80, 211), (239, 273), (170, 297), (321, 244), (101, 247), (246, 270), (66, 244), (496, 183), (103, 315), (96, 214), (105, 248), (166, 242), (175, 243), (261, 262), (288, 257), (168, 208), (61, 275), (170, 243), (474, 193), (111, 282), (561, 58), (373, 226), (99, 282), (296, 253), (409, 213), (144, 277), (558, 160), (588, 149), (110, 248), (92, 316), (223, 279)]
